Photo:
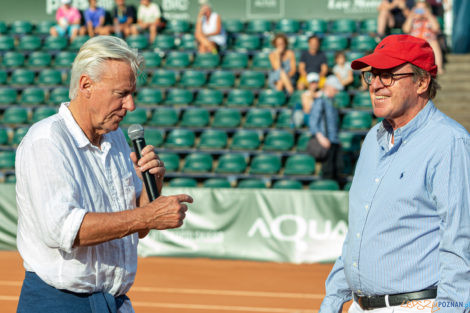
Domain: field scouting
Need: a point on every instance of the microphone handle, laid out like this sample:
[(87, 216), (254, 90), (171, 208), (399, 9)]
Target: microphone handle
[(149, 179)]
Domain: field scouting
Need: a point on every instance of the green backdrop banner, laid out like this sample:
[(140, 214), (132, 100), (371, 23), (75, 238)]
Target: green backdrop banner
[(268, 225)]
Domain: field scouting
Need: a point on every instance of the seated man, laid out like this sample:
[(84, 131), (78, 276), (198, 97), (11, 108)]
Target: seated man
[(149, 17), (312, 61), (94, 20), (123, 18), (68, 21)]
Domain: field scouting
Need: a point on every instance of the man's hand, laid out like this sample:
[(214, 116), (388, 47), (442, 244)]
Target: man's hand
[(323, 141), (151, 162), (166, 211)]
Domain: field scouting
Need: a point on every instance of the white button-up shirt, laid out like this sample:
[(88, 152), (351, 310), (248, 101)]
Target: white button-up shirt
[(60, 177)]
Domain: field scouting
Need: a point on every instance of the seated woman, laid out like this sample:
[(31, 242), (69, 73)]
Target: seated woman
[(209, 34), (283, 64), (342, 69), (94, 20), (423, 24), (68, 21)]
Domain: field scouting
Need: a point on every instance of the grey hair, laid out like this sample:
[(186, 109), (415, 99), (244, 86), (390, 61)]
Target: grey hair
[(419, 73), (93, 55)]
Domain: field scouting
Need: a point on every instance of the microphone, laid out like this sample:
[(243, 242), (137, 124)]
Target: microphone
[(136, 134)]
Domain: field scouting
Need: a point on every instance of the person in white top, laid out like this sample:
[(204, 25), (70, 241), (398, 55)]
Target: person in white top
[(81, 205), (149, 17), (210, 34)]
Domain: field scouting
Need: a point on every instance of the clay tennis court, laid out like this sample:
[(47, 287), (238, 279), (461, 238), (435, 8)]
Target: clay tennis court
[(170, 285)]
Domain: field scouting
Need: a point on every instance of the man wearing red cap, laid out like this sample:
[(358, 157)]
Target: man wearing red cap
[(407, 248)]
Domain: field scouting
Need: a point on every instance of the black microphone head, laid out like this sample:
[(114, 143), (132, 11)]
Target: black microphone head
[(135, 131)]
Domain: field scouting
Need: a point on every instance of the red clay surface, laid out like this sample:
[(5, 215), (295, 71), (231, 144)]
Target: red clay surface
[(177, 285)]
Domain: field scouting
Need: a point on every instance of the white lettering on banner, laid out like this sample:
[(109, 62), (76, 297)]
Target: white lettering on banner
[(350, 6), (175, 5), (303, 229), (53, 5), (265, 3)]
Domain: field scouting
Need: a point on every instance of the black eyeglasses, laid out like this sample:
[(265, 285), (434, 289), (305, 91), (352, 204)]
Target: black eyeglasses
[(386, 78)]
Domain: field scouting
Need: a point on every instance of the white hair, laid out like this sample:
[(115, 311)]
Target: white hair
[(94, 53)]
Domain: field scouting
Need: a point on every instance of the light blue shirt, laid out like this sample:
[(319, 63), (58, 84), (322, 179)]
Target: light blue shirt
[(409, 214)]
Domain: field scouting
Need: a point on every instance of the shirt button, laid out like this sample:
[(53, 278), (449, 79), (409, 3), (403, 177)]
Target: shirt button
[(366, 206), (355, 264), (358, 235), (377, 180)]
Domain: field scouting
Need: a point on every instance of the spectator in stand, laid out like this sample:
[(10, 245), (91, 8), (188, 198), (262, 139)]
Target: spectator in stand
[(423, 24), (149, 17), (282, 64), (392, 14), (309, 95), (123, 18), (312, 60), (94, 20), (68, 21), (342, 69), (210, 34)]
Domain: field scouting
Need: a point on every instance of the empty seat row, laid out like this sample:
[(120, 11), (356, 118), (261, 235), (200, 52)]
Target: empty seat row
[(33, 43), (39, 59), (34, 95), (24, 77)]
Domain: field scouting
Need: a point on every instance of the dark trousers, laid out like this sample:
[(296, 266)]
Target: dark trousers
[(332, 165)]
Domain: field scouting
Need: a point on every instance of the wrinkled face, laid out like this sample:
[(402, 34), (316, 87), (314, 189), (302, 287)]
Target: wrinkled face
[(394, 103), (111, 97), (313, 45)]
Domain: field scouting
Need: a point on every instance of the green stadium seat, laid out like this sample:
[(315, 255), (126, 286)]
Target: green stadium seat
[(251, 183), (247, 42), (368, 26), (139, 42), (258, 26), (259, 118), (284, 119), (206, 61), (197, 163), (240, 98), (216, 183), (170, 160), (149, 96), (22, 77), (142, 79), (315, 26), (213, 139), (343, 26), (164, 42), (245, 140), (231, 163), (324, 184), (234, 60), (151, 59), (7, 43), (347, 186), (330, 58), (363, 43), (195, 117), (78, 42), (42, 113), (353, 55), (163, 78), (43, 27), (15, 115), (221, 79), (21, 27), (50, 77), (33, 95), (180, 138), (271, 98), (342, 100), (261, 61), (164, 117), (287, 184), (3, 77), (58, 95), (138, 116), (29, 42), (233, 26), (3, 27), (188, 43), (295, 98), (265, 164), (7, 159), (301, 42), (39, 59), (3, 136), (178, 97), (350, 142), (252, 79), (361, 100), (13, 59), (183, 182), (192, 79), (334, 43), (209, 97), (177, 26), (64, 59), (278, 140), (302, 142), (227, 118), (18, 135), (177, 59), (300, 164), (357, 120), (287, 26), (55, 43)]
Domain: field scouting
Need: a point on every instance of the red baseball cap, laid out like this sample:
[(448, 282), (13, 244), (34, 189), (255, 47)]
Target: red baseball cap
[(396, 50)]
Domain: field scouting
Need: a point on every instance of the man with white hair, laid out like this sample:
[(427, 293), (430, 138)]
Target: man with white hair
[(81, 206)]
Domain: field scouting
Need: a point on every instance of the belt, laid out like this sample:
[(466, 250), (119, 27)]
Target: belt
[(375, 302)]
